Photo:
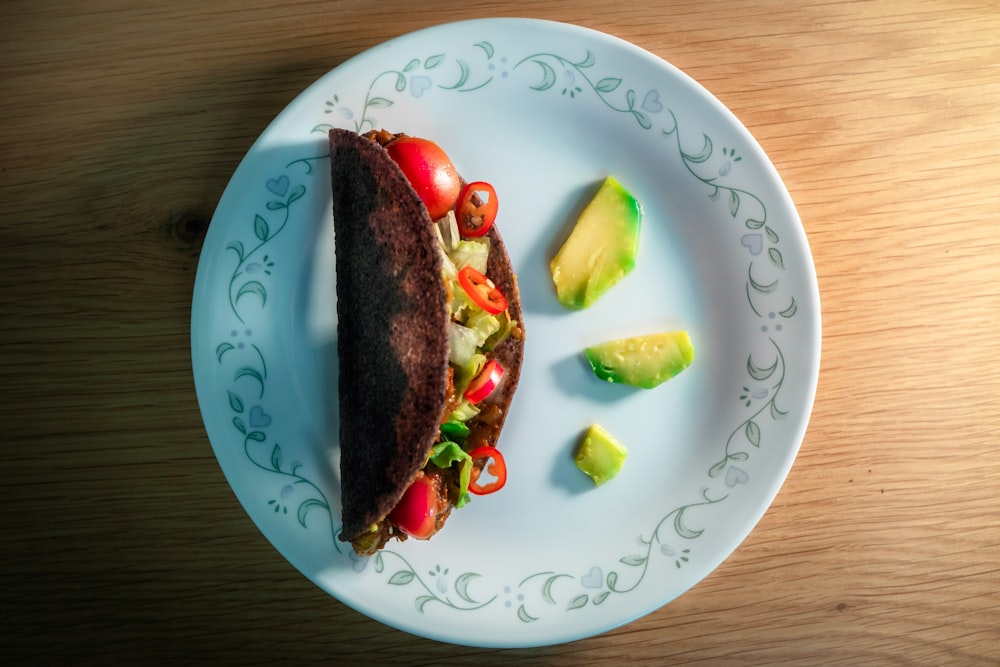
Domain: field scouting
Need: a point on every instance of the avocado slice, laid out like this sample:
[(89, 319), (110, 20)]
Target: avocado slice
[(601, 249), (642, 361), (599, 455)]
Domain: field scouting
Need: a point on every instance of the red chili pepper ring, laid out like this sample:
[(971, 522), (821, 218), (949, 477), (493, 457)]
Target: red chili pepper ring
[(482, 291), (494, 465)]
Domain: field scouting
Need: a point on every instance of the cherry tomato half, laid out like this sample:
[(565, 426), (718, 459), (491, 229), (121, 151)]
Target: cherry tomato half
[(484, 383), (430, 172), (482, 291), (495, 466), (416, 512), (476, 210)]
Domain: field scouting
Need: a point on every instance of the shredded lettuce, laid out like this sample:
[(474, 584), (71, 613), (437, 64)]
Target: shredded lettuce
[(447, 231), (504, 326), (448, 270), (462, 344), (474, 253), (455, 429), (447, 453), (461, 303), (464, 412), (465, 340), (483, 324)]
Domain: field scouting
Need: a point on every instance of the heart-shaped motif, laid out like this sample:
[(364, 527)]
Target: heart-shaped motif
[(418, 84), (736, 476), (259, 418), (753, 242), (593, 579), (651, 102), (279, 185)]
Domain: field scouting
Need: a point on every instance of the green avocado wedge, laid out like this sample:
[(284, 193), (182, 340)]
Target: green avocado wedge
[(641, 361), (599, 455), (601, 249)]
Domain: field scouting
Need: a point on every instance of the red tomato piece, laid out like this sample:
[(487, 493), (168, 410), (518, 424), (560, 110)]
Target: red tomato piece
[(476, 210), (484, 383), (482, 290), (416, 512), (430, 172), (495, 466)]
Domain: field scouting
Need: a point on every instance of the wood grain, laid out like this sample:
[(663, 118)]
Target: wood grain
[(121, 123)]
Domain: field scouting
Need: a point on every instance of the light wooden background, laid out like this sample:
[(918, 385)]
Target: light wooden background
[(121, 124)]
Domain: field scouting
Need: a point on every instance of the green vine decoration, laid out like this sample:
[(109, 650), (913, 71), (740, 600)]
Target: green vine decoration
[(258, 374), (265, 230), (642, 559), (252, 426), (545, 591), (264, 235), (603, 87), (735, 197), (417, 77), (612, 582), (407, 575), (749, 428), (251, 373)]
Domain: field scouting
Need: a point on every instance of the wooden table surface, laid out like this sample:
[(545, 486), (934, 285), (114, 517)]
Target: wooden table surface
[(121, 125)]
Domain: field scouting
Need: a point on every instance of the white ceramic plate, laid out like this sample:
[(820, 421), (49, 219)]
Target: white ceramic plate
[(544, 111)]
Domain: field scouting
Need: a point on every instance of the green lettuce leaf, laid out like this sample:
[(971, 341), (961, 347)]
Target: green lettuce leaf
[(447, 453)]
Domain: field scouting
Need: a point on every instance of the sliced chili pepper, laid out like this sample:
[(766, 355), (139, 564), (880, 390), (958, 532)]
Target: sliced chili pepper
[(497, 468), (484, 383), (482, 291), (476, 210)]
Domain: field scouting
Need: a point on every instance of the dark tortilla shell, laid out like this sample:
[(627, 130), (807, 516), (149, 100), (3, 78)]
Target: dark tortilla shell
[(392, 327), (510, 352)]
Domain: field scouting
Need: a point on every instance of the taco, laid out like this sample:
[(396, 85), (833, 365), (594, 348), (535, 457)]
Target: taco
[(430, 337)]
